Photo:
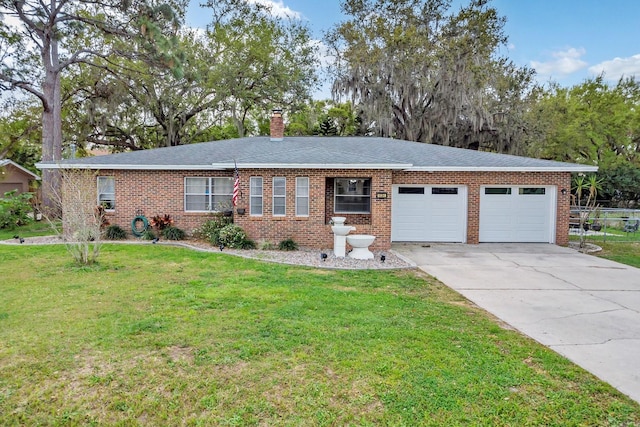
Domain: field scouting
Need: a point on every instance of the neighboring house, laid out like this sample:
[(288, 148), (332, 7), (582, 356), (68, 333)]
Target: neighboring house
[(290, 187), (15, 177)]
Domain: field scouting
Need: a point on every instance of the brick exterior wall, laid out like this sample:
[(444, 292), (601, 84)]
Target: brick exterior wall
[(313, 231), (153, 193)]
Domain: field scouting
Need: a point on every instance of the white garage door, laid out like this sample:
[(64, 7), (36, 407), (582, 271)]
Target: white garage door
[(429, 213), (517, 214)]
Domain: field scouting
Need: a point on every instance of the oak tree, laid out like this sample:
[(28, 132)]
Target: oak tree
[(423, 73), (41, 40)]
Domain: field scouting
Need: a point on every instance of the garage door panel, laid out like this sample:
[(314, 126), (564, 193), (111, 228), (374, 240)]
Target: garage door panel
[(521, 214), (411, 215), (428, 214)]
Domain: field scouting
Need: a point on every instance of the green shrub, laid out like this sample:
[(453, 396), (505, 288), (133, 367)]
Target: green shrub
[(248, 244), (115, 232), (288, 245), (210, 230), (148, 234), (173, 233), (15, 209), (233, 236), (267, 246)]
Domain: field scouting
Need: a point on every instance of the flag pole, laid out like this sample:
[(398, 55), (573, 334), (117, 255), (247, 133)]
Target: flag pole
[(236, 185)]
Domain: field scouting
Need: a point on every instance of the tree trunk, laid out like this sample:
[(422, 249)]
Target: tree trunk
[(51, 126)]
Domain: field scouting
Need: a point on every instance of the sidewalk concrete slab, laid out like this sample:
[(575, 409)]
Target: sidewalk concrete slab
[(583, 307)]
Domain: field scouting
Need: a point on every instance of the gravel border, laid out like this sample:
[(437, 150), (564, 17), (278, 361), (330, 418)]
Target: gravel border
[(304, 257), (589, 248)]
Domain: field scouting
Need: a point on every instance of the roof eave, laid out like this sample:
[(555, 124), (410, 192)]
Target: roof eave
[(105, 166), (577, 168), (392, 166), (223, 166)]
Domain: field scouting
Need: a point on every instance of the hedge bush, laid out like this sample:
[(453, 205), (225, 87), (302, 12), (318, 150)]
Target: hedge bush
[(115, 232), (233, 236), (173, 233), (288, 245), (210, 229)]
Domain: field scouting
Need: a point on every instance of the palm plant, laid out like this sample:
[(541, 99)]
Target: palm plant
[(584, 200)]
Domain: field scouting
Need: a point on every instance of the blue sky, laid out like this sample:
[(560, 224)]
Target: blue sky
[(566, 41)]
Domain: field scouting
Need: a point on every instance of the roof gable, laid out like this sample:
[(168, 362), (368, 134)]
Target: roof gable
[(7, 162)]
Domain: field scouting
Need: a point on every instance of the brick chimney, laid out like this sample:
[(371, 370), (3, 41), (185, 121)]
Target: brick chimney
[(277, 125)]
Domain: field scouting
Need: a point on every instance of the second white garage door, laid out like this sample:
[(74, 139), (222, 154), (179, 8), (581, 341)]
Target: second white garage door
[(429, 213), (517, 214)]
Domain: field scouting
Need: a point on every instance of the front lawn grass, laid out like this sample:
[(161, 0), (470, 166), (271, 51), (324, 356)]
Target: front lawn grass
[(623, 252), (157, 335), (32, 229), (624, 249)]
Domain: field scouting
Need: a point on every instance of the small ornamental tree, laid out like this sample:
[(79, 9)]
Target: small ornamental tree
[(584, 200), (82, 218)]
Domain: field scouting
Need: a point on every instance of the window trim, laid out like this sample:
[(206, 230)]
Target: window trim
[(445, 191), (255, 196), (336, 195), (209, 194), (298, 196), (275, 196), (497, 191), (411, 190), (532, 191), (113, 200)]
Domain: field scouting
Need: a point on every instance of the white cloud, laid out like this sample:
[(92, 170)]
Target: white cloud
[(278, 8), (325, 58), (564, 62), (618, 67), (323, 54), (511, 46)]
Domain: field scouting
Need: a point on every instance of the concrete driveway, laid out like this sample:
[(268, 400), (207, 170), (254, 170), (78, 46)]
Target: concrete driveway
[(581, 306)]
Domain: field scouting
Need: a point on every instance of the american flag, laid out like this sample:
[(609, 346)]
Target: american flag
[(236, 186)]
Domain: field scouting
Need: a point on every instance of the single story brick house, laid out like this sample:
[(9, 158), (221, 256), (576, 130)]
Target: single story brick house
[(290, 187), (15, 177)]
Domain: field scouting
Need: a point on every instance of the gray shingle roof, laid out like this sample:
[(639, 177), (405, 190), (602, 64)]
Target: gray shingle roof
[(317, 153)]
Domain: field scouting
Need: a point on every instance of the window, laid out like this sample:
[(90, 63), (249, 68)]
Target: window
[(107, 192), (255, 196), (279, 196), (411, 190), (352, 195), (497, 190), (444, 190), (207, 194), (531, 191), (302, 196)]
